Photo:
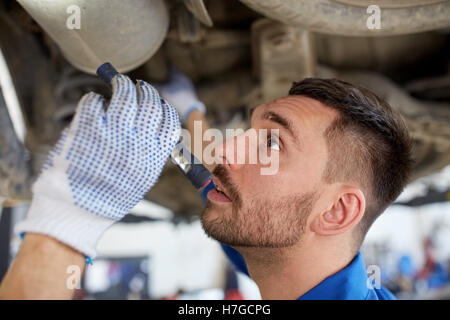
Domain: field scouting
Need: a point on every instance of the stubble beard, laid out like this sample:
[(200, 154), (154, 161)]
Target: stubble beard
[(260, 223)]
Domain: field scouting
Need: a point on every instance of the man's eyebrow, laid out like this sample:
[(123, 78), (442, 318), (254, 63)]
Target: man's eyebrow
[(284, 122)]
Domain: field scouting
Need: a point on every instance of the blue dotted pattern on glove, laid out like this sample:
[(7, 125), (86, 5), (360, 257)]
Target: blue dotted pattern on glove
[(115, 157)]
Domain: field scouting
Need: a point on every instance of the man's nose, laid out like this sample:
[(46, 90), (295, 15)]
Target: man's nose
[(234, 152)]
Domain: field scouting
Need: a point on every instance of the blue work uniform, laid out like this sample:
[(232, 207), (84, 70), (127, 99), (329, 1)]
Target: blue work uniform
[(350, 283)]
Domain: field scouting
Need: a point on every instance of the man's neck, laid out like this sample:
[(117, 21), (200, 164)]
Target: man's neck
[(288, 273)]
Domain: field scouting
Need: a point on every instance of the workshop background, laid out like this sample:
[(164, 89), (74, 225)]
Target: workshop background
[(239, 54)]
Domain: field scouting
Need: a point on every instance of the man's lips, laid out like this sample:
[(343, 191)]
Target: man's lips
[(218, 194)]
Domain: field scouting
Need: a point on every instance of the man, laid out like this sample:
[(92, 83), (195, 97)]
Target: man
[(344, 156)]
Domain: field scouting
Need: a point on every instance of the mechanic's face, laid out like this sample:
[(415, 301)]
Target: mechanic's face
[(271, 210)]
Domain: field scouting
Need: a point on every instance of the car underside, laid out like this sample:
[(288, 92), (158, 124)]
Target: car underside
[(239, 54)]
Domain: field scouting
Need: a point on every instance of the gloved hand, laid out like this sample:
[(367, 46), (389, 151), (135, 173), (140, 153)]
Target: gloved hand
[(181, 94), (103, 164)]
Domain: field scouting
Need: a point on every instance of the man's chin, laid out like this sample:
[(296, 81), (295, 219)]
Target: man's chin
[(213, 223), (212, 217)]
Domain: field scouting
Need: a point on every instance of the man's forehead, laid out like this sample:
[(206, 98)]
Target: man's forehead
[(299, 109)]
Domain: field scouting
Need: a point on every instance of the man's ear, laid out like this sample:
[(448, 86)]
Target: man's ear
[(345, 212)]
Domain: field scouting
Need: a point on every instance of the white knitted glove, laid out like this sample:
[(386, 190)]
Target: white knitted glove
[(103, 164), (180, 92)]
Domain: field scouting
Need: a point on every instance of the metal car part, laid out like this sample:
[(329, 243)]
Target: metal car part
[(219, 51), (333, 17), (389, 3), (382, 54), (198, 9), (427, 122), (189, 28), (15, 171), (220, 63), (281, 55), (125, 33)]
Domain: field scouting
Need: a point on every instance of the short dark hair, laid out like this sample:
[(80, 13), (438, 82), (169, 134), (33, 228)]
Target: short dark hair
[(368, 143)]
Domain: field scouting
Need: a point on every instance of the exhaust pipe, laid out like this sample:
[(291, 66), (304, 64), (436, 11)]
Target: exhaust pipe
[(125, 33)]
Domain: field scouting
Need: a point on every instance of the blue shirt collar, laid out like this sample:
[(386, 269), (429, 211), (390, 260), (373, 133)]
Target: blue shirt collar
[(348, 284)]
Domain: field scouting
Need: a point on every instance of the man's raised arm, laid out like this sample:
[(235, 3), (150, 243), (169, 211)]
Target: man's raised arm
[(102, 166)]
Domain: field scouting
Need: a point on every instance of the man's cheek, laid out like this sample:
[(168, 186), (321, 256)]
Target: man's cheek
[(270, 163)]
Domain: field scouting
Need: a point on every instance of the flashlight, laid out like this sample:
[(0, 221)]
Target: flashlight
[(188, 164)]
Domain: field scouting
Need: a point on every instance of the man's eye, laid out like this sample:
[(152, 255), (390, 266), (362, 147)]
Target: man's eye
[(273, 142)]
